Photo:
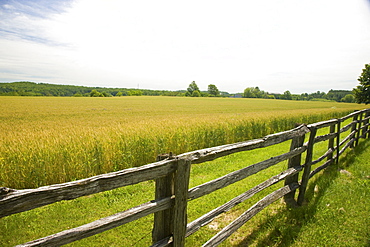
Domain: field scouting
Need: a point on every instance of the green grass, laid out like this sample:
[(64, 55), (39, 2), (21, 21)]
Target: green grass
[(336, 213)]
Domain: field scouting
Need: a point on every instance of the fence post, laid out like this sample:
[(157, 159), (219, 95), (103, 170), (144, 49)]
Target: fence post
[(163, 220), (181, 201), (307, 166), (358, 129), (364, 131), (354, 128), (338, 140), (293, 162), (331, 142)]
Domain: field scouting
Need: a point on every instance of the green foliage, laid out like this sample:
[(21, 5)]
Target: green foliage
[(44, 89), (248, 93), (254, 92), (196, 93), (318, 94), (349, 98), (95, 93), (332, 95), (337, 95), (192, 87), (136, 92), (213, 90), (105, 94), (287, 95), (362, 91), (126, 93)]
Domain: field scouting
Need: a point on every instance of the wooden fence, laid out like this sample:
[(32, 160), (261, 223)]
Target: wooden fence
[(172, 194)]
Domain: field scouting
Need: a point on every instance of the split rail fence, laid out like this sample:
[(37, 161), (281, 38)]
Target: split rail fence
[(172, 194)]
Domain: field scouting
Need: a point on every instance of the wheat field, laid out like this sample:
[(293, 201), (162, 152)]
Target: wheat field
[(48, 140)]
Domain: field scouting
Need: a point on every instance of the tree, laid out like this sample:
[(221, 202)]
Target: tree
[(192, 87), (248, 93), (95, 93), (105, 94), (349, 98), (337, 95), (196, 93), (213, 90), (254, 92), (318, 95), (362, 92), (258, 92), (287, 95), (136, 92)]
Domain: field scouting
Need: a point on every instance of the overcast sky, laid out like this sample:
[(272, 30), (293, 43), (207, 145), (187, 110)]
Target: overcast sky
[(278, 45)]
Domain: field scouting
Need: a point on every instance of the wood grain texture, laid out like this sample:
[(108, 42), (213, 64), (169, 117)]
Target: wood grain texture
[(351, 115), (323, 124), (354, 127), (103, 224), (163, 220), (209, 154), (181, 202), (325, 137), (23, 200), (307, 166), (293, 162), (358, 128), (331, 142), (163, 242)]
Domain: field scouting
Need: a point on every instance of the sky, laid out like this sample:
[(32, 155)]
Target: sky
[(277, 45)]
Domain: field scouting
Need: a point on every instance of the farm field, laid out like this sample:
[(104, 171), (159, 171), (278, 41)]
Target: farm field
[(47, 140), (276, 225)]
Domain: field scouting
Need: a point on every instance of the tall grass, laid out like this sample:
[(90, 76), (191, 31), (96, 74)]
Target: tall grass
[(54, 140)]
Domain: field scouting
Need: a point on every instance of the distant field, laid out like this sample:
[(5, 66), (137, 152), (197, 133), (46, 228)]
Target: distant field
[(45, 140)]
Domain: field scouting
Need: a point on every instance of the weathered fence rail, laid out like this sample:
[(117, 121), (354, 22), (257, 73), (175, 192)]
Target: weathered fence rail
[(172, 176)]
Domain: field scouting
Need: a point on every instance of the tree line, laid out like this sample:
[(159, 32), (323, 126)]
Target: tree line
[(360, 94), (25, 88), (44, 89), (255, 92), (332, 95)]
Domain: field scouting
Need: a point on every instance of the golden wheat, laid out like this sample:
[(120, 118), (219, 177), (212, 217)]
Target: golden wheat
[(53, 140)]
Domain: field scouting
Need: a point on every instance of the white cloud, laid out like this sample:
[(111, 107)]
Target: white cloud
[(302, 46)]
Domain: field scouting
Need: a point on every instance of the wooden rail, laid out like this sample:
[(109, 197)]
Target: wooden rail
[(172, 176)]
